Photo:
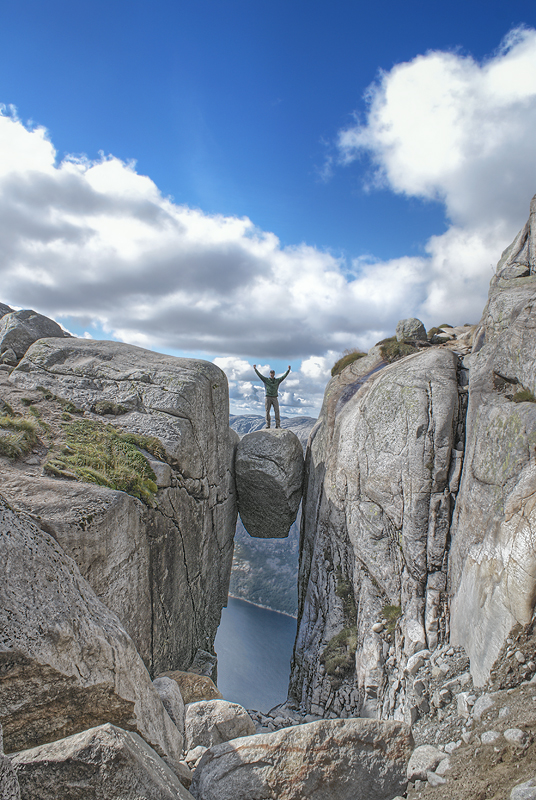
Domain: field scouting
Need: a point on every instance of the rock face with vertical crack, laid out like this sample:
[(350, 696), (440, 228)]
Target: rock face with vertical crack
[(493, 562), (381, 475), (163, 567), (269, 478), (66, 662)]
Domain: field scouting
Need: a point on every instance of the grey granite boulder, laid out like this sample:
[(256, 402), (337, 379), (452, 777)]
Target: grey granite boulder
[(171, 697), (194, 687), (325, 760), (211, 722), (20, 329), (4, 309), (103, 763), (269, 480), (66, 662), (164, 570), (9, 785), (410, 330), (424, 759)]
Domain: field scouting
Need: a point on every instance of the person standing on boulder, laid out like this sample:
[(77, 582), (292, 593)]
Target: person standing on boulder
[(272, 385)]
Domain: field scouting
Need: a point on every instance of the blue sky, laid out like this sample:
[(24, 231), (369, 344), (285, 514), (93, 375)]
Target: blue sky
[(382, 152)]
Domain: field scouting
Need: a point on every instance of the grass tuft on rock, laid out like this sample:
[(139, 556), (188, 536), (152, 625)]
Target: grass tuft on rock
[(392, 614), (17, 436), (338, 656), (94, 452), (348, 357), (392, 350), (524, 396), (108, 407)]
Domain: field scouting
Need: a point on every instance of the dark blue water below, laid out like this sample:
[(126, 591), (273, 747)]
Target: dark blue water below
[(254, 647)]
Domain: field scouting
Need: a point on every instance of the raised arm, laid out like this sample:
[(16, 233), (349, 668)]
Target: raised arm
[(263, 379), (282, 378)]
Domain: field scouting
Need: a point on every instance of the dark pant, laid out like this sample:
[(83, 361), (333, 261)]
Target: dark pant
[(272, 401)]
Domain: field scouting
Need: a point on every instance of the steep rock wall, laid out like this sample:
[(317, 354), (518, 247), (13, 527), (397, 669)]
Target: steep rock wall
[(493, 561), (163, 569), (382, 467)]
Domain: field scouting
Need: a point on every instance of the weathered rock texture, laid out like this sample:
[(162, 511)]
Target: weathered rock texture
[(381, 472), (66, 662), (20, 329), (164, 570), (269, 479), (194, 687), (493, 561), (4, 309), (210, 722), (104, 763), (171, 697), (325, 760), (9, 785)]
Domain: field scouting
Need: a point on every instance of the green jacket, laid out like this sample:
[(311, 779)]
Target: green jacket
[(271, 384)]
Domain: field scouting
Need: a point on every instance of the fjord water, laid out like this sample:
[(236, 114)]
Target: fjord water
[(254, 647)]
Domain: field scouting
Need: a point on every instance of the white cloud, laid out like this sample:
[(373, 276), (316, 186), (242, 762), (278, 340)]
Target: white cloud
[(444, 127), (97, 244)]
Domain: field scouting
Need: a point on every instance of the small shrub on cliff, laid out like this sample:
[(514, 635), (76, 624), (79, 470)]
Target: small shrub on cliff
[(392, 350), (348, 357), (97, 453), (524, 396), (338, 656), (345, 591), (392, 614), (17, 436)]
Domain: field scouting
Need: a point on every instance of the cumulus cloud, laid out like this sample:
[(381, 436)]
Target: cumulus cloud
[(96, 244), (445, 127)]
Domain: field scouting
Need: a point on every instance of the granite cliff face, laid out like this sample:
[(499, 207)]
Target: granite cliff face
[(493, 561), (418, 510), (161, 565)]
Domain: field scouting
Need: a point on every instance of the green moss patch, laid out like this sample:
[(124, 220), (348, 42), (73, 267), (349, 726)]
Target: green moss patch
[(94, 452), (348, 357), (17, 436)]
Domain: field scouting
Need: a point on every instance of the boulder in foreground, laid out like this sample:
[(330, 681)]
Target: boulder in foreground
[(212, 722), (194, 687), (67, 664), (104, 763), (269, 480), (341, 759), (20, 329)]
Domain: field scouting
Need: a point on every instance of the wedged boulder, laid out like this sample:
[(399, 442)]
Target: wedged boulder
[(171, 697), (66, 662), (194, 687), (325, 760), (103, 763), (410, 330), (163, 568), (9, 785), (20, 329), (210, 722), (269, 481)]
